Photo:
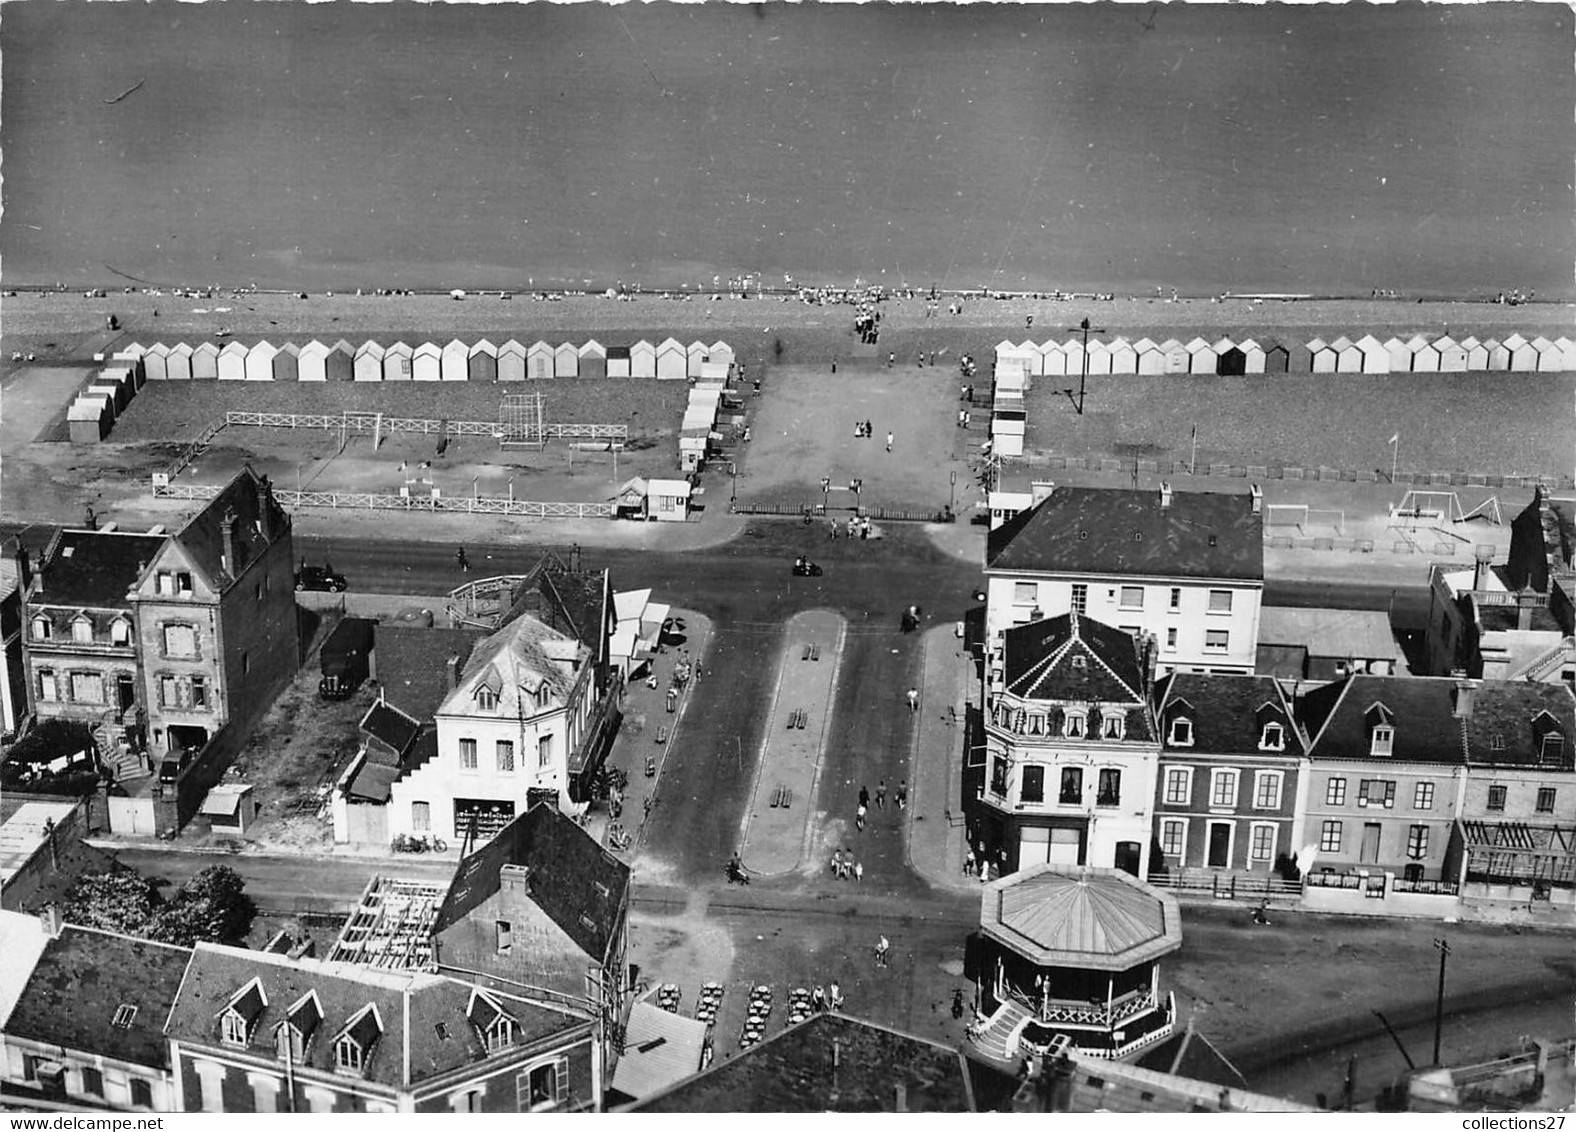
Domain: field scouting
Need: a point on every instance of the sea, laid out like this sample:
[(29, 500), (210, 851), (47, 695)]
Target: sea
[(1134, 148)]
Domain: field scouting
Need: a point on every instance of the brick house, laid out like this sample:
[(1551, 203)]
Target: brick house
[(87, 1029), (1231, 762), (259, 1032)]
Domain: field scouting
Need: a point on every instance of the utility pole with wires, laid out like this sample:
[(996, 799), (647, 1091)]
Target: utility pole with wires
[(1083, 378), (1443, 948)]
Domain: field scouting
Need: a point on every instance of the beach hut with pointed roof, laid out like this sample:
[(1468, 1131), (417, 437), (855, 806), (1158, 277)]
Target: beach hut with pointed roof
[(260, 361), (721, 352), (1221, 345), (618, 361), (1400, 355), (1252, 356), (1201, 357), (1348, 358), (1072, 358), (1005, 349), (1452, 355), (178, 363), (1498, 355), (511, 361), (566, 360), (89, 419), (340, 365), (1523, 358), (1567, 347), (397, 362), (368, 362), (426, 362), (205, 362), (1033, 359), (1277, 357), (1123, 359), (1099, 357), (539, 361), (672, 360), (1477, 354), (155, 362), (1425, 359), (1232, 361), (1550, 358), (1375, 358), (135, 350), (694, 357), (232, 362), (1148, 357), (455, 361), (481, 362), (1053, 359), (1178, 358), (311, 362), (593, 359), (286, 363), (642, 359), (1321, 357)]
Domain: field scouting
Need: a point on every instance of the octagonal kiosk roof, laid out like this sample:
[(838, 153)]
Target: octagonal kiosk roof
[(1076, 916)]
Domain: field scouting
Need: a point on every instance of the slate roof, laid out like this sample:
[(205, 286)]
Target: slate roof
[(390, 726), (83, 977), (1075, 916), (203, 538), (1341, 634), (412, 661), (95, 568), (1070, 658), (398, 1058), (831, 1063), (660, 1048), (1338, 718), (572, 601), (1115, 531), (567, 866), (1228, 713), (515, 662)]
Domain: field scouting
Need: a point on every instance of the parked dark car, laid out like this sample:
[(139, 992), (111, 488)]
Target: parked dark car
[(320, 578)]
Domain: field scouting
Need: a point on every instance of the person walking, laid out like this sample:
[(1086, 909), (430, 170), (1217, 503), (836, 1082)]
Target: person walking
[(883, 947), (818, 999), (864, 796), (968, 863), (889, 442), (834, 996), (902, 794), (859, 870), (859, 818), (881, 795), (891, 359), (913, 699)]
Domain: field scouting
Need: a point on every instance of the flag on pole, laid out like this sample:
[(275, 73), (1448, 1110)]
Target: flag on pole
[(1394, 438)]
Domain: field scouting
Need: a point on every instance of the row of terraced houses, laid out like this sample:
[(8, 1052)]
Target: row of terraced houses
[(1127, 720)]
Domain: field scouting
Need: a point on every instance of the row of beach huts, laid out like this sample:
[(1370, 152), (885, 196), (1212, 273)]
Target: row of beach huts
[(93, 413), (457, 361), (1418, 354)]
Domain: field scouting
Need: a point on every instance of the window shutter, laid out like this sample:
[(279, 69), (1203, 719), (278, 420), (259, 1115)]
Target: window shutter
[(1362, 792), (561, 1080), (1389, 795)]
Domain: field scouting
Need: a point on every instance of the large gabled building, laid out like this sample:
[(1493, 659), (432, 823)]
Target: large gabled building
[(1186, 568)]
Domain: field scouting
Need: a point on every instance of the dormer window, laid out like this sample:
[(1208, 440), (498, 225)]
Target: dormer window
[(542, 694), (486, 699), (492, 1022), (1273, 738), (82, 631), (1181, 734), (1383, 740), (239, 1017), (301, 1021), (120, 631), (1552, 752), (354, 1044), (1036, 724), (1113, 724), (1074, 726), (43, 629)]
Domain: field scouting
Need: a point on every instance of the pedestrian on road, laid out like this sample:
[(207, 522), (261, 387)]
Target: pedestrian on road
[(966, 418), (818, 999), (864, 796), (968, 863), (881, 795), (913, 699), (834, 365), (837, 863), (963, 415), (889, 442), (892, 359), (859, 818), (902, 794), (859, 870), (882, 948), (835, 997)]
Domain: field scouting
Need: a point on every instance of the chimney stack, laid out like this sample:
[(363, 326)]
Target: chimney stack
[(227, 542), (1165, 495), (1465, 692), (1526, 602), (451, 671), (265, 495), (900, 1097), (1482, 555), (1257, 494)]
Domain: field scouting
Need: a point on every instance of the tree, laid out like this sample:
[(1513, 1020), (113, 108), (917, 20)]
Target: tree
[(123, 902), (212, 906)]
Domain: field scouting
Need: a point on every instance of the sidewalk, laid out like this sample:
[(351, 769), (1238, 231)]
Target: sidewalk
[(936, 841)]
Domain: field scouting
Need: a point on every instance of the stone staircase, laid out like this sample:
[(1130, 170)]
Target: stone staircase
[(998, 1038), (116, 754)]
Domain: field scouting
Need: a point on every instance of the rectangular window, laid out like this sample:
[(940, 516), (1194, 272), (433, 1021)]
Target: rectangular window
[(180, 641), (1417, 842), (347, 1055), (1033, 789), (1267, 790), (1376, 792), (1173, 835), (1176, 597), (1132, 598), (1110, 791), (43, 630), (506, 756), (467, 754), (141, 1093), (1181, 732), (82, 631), (998, 776), (1261, 846), (48, 690), (1423, 796), (1179, 785), (1545, 803), (1171, 640), (1223, 788), (92, 1081), (166, 584), (1383, 740), (1216, 640), (1335, 792), (199, 691), (421, 816), (169, 692), (1073, 725), (1080, 598), (1072, 786), (503, 932), (1220, 601), (234, 1029), (120, 632), (183, 582), (1112, 725), (1025, 593), (543, 1086), (1496, 797), (87, 687), (1330, 837), (544, 752)]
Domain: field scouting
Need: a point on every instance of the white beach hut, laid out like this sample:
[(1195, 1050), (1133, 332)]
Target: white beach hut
[(694, 355), (1178, 359), (1099, 357), (205, 362), (1523, 358), (1425, 359), (511, 361), (1151, 359), (397, 361), (426, 362), (1567, 347), (1053, 359), (1321, 356), (1201, 357), (178, 363), (566, 360), (1498, 355), (1400, 355), (260, 362), (1072, 359), (1477, 354), (672, 360), (618, 361), (1375, 358), (455, 363), (1550, 358), (368, 362), (312, 365), (720, 352), (1252, 356), (481, 361), (1452, 354), (155, 362), (89, 419), (1123, 359), (642, 359), (232, 362), (1348, 358), (286, 363), (539, 363)]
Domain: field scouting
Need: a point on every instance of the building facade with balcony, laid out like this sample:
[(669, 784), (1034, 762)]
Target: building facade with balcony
[(1386, 775), (1185, 568), (1069, 748), (82, 645), (1232, 768), (1071, 952)]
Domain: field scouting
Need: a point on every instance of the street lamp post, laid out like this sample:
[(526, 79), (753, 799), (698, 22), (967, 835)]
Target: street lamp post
[(1083, 379), (1395, 456), (1439, 999), (952, 497)]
